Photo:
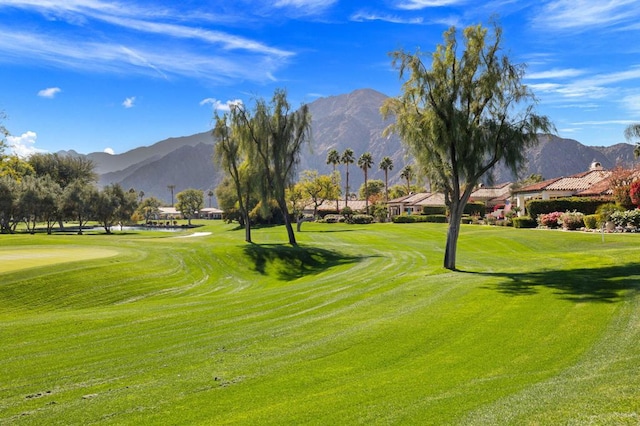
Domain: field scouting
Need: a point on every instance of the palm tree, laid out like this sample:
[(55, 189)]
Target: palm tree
[(346, 159), (171, 188), (386, 164), (333, 158), (365, 162), (631, 132), (210, 195), (407, 173)]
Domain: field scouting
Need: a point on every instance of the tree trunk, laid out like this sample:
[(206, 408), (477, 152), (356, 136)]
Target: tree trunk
[(453, 232), (247, 227), (287, 222)]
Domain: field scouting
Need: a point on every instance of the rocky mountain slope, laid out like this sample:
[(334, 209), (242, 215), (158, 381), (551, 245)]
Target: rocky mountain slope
[(338, 122)]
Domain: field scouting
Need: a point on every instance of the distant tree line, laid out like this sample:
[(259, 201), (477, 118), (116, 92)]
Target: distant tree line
[(50, 189)]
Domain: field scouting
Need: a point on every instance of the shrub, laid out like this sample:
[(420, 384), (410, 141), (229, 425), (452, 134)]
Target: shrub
[(524, 222), (333, 218), (626, 218), (605, 211), (428, 210), (550, 220), (572, 220), (475, 208), (409, 218), (436, 218), (361, 219), (590, 221), (585, 205)]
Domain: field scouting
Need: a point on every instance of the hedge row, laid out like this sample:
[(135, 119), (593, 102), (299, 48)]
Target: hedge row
[(433, 218), (583, 205)]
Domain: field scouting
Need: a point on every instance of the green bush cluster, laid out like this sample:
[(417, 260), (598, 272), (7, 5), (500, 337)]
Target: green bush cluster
[(584, 205), (433, 218), (436, 218), (428, 210), (361, 219), (590, 221), (333, 218), (475, 208), (524, 222), (409, 218)]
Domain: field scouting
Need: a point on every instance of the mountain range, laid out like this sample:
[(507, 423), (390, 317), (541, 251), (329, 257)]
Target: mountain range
[(338, 122)]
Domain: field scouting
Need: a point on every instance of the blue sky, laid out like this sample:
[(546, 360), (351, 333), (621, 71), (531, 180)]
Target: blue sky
[(96, 75)]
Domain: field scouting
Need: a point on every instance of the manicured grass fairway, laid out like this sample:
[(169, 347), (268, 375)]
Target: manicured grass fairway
[(359, 325)]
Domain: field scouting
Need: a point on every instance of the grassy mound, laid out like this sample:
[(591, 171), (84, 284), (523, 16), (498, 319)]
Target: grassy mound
[(356, 325)]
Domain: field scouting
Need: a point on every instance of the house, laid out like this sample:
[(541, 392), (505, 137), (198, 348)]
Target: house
[(329, 207), (491, 196), (591, 183), (407, 204), (210, 213)]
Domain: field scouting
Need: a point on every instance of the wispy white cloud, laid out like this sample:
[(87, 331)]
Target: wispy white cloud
[(110, 57), (632, 103), (221, 106), (129, 102), (109, 151), (555, 74), (24, 145), (394, 19), (49, 92), (581, 15), (423, 4), (215, 55)]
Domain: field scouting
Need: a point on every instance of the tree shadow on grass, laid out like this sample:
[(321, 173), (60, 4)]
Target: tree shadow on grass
[(292, 262), (608, 284)]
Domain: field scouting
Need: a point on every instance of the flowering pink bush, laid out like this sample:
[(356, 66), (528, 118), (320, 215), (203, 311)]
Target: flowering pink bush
[(550, 220)]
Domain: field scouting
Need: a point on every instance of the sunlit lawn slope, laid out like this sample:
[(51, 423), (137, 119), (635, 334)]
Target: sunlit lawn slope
[(358, 325)]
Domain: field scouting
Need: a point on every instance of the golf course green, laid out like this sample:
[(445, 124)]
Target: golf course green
[(356, 325)]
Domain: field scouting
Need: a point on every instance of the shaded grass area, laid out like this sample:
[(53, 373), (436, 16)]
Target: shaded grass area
[(608, 284), (357, 325), (292, 262)]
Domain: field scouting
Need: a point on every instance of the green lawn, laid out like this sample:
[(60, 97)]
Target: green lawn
[(358, 325)]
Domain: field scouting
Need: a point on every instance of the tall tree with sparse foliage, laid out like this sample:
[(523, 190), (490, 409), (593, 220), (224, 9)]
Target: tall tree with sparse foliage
[(277, 135), (463, 115)]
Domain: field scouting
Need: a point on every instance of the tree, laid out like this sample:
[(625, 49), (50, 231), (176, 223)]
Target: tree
[(408, 175), (374, 189), (386, 164), (277, 135), (149, 208), (346, 159), (64, 169), (333, 158), (210, 194), (113, 205), (190, 201), (317, 188), (365, 162), (633, 132), (171, 188), (77, 202), (39, 198), (464, 115), (232, 153), (9, 193)]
